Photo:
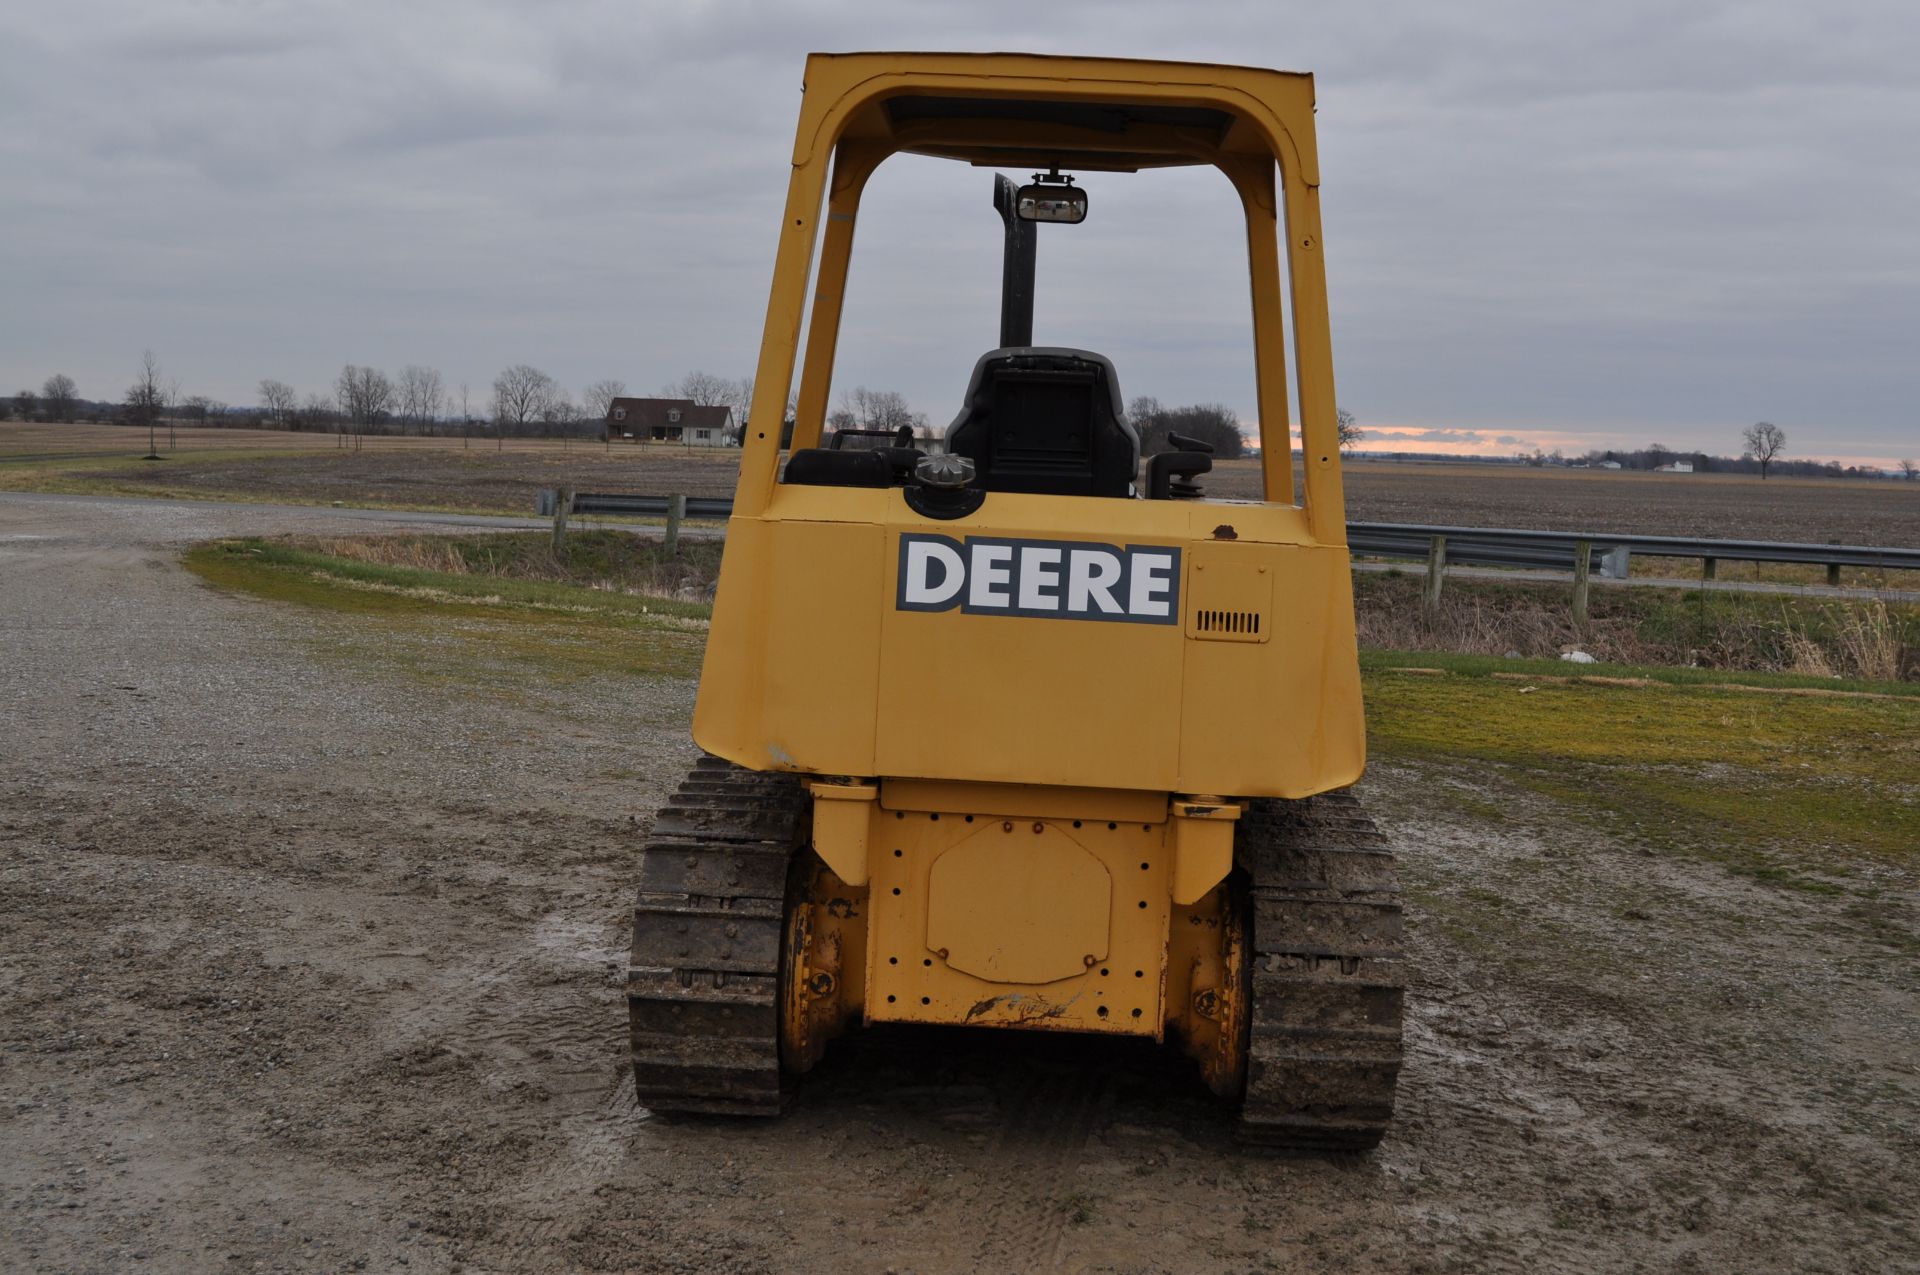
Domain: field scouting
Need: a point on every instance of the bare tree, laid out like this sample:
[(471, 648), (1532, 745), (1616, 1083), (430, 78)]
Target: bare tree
[(1350, 431), (521, 396), (279, 401), (743, 401), (557, 412), (61, 396), (704, 388), (148, 398), (365, 394), (877, 409), (422, 395), (316, 413), (1909, 470), (466, 418), (26, 402), (597, 399), (1764, 442), (1214, 424)]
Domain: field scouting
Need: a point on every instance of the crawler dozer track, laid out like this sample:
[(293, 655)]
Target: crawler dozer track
[(1323, 972), (1325, 975), (703, 983)]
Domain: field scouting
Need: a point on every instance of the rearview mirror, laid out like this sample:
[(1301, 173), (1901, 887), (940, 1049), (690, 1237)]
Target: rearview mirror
[(1047, 201)]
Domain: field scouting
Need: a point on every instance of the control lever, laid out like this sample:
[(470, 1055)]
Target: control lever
[(1170, 475)]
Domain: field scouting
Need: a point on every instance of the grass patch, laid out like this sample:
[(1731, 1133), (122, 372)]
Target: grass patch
[(1488, 666), (600, 559), (607, 574), (1867, 638), (1790, 789), (497, 624)]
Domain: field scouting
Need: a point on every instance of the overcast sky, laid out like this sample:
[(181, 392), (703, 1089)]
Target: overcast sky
[(1552, 224)]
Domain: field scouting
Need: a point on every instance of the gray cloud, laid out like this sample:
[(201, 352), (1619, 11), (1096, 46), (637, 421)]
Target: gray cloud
[(1574, 222)]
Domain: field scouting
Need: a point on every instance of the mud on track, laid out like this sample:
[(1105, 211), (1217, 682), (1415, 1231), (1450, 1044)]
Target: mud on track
[(312, 962)]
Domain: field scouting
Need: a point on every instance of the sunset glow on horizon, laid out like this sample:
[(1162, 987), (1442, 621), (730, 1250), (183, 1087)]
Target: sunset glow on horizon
[(1504, 443)]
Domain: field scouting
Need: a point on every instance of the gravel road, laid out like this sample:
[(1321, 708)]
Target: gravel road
[(310, 963)]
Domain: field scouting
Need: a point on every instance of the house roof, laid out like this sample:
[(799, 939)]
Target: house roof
[(651, 413)]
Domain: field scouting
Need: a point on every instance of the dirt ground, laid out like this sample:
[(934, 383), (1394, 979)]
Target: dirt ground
[(313, 956)]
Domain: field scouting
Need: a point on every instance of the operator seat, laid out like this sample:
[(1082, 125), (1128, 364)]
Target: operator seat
[(1047, 420)]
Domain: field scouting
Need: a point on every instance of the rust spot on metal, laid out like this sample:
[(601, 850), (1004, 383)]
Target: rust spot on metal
[(1025, 1007), (1225, 531)]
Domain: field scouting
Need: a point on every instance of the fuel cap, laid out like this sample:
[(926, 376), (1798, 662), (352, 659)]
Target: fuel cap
[(947, 473)]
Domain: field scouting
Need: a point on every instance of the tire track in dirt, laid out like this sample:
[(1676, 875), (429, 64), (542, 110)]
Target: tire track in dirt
[(1024, 1209)]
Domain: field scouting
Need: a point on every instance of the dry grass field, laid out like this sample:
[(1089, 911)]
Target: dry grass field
[(20, 440), (488, 477), (264, 466), (1733, 506)]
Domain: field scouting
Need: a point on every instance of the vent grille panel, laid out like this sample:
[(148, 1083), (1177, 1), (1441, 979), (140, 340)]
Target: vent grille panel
[(1227, 623), (1229, 594)]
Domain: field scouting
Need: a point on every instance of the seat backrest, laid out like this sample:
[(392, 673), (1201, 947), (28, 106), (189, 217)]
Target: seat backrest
[(1048, 420)]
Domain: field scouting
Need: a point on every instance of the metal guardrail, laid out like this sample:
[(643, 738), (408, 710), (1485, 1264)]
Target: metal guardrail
[(1467, 546), (1505, 546), (720, 507)]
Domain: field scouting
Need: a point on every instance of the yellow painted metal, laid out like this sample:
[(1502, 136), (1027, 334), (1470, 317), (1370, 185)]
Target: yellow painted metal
[(1202, 841), (823, 971), (1000, 921), (1231, 599), (853, 162), (1024, 801), (1015, 807), (1207, 995), (1183, 968), (811, 668), (1261, 118), (1019, 901), (842, 815), (1252, 177)]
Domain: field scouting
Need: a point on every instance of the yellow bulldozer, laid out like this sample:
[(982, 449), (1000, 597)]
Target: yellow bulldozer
[(1014, 731)]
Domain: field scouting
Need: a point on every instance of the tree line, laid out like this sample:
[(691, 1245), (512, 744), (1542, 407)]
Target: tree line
[(524, 401)]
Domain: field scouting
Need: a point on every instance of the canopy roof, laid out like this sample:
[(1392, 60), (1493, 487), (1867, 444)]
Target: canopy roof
[(1101, 114)]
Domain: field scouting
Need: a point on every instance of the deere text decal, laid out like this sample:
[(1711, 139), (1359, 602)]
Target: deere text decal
[(1045, 579)]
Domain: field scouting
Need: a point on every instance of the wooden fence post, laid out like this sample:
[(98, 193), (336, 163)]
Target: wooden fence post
[(1710, 569), (1582, 569), (1833, 571), (676, 510), (1436, 574), (562, 506)]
